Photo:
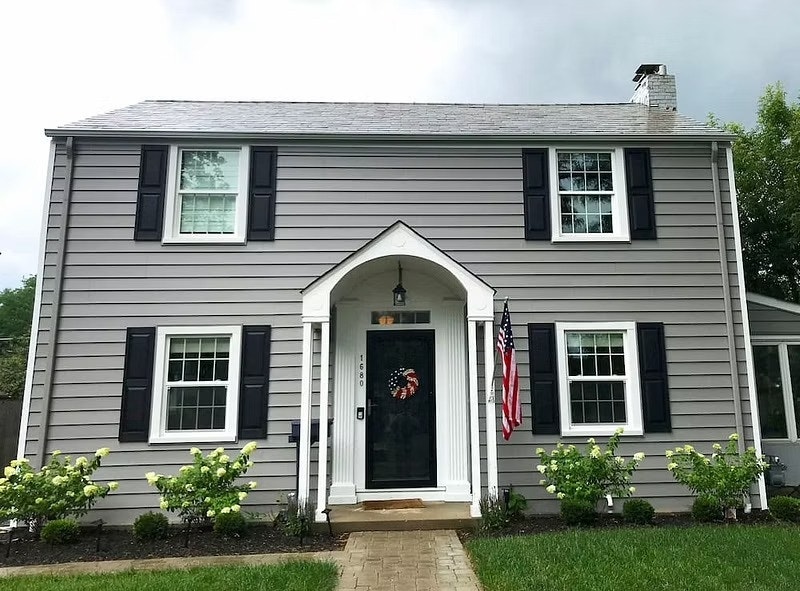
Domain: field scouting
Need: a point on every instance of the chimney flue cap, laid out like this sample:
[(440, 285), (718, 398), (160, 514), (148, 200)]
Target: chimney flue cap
[(647, 69)]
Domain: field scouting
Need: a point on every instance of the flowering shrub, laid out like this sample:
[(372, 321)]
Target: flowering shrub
[(60, 489), (569, 474), (726, 475), (206, 487)]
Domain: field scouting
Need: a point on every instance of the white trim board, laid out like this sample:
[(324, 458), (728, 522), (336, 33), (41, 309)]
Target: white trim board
[(33, 343), (772, 302)]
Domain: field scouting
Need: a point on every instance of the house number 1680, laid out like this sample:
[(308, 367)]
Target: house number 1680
[(361, 372)]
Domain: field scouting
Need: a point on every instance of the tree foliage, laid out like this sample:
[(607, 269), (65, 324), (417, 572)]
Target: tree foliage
[(767, 164), (16, 311)]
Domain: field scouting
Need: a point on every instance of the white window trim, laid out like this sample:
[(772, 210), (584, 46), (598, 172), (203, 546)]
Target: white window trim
[(172, 233), (619, 202), (633, 395), (786, 383), (158, 416)]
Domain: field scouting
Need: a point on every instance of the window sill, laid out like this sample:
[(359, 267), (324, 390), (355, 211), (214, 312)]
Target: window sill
[(591, 238), (600, 430), (197, 437), (228, 239)]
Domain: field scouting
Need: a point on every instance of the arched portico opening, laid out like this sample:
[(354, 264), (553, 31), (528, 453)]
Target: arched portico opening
[(379, 446)]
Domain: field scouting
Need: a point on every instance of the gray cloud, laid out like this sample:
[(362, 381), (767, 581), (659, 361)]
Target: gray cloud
[(72, 60)]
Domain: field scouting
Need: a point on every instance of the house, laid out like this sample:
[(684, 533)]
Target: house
[(213, 271)]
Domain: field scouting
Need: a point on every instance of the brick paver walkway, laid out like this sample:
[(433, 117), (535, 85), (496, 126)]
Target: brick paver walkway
[(406, 561)]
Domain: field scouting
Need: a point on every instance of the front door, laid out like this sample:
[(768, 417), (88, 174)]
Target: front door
[(401, 434)]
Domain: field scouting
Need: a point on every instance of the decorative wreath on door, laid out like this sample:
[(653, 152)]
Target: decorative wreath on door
[(403, 383)]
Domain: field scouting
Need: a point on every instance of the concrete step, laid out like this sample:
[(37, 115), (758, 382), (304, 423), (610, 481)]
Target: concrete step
[(352, 518)]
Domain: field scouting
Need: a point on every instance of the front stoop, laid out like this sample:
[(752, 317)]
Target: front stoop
[(434, 516)]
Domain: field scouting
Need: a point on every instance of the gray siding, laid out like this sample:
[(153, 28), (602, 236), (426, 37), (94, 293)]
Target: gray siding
[(331, 200), (769, 321)]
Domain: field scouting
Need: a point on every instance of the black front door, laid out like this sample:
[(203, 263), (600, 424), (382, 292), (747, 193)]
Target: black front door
[(401, 434)]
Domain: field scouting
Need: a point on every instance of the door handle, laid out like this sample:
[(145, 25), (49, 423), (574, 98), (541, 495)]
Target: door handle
[(370, 404)]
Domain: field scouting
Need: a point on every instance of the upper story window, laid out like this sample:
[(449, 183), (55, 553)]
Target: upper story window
[(207, 194), (588, 195)]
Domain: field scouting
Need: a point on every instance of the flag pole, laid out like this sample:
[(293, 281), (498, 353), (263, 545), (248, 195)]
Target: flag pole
[(496, 353)]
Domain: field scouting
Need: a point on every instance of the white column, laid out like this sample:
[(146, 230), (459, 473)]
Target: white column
[(303, 470), (474, 425), (324, 365), (452, 403), (345, 385), (491, 419)]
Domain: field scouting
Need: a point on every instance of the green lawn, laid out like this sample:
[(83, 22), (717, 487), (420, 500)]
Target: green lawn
[(711, 558), (289, 576)]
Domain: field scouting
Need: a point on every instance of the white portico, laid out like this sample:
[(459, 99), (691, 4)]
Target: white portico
[(387, 445)]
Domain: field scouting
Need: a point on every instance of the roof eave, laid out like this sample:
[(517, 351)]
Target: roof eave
[(228, 135)]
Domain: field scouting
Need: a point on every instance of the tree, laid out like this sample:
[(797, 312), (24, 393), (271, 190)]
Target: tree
[(16, 311), (767, 166)]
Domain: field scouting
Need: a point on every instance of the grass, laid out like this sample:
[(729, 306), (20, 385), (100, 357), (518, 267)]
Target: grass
[(305, 575), (702, 558)]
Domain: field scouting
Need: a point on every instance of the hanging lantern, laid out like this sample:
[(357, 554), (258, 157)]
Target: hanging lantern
[(399, 292)]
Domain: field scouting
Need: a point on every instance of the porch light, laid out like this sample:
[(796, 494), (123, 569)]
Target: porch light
[(399, 292)]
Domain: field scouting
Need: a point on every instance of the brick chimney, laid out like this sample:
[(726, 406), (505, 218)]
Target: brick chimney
[(655, 88)]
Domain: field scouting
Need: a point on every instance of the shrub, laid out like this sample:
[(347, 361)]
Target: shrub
[(61, 531), (706, 508), (206, 487), (494, 515), (569, 474), (578, 511), (726, 475), (151, 526), (638, 511), (60, 489), (516, 505), (297, 518), (785, 508), (230, 524)]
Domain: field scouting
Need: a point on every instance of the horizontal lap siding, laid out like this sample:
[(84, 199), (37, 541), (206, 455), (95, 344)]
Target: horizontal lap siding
[(330, 201), (768, 321)]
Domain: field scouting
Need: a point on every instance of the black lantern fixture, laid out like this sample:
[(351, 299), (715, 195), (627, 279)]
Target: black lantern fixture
[(399, 292)]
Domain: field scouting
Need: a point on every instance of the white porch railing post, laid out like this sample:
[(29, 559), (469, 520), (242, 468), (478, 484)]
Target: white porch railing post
[(324, 365), (303, 470), (474, 424), (491, 419)]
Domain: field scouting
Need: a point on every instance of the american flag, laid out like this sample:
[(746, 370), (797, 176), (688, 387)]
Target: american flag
[(512, 409)]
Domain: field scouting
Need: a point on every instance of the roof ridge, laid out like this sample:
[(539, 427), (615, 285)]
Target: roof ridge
[(421, 103)]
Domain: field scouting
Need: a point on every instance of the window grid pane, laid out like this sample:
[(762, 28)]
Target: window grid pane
[(586, 187), (202, 213), (597, 402), (769, 391), (592, 354), (193, 408), (209, 170)]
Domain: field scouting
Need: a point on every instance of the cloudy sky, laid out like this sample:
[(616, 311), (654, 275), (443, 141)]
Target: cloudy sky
[(66, 60)]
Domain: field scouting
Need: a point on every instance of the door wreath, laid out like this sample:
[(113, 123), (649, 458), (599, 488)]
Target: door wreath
[(403, 383)]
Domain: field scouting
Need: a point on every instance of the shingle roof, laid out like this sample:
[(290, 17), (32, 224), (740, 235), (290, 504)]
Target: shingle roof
[(198, 118)]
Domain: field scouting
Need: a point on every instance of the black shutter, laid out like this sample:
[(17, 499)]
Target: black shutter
[(152, 191), (544, 379), (639, 180), (261, 202), (536, 192), (137, 384), (653, 377), (254, 388)]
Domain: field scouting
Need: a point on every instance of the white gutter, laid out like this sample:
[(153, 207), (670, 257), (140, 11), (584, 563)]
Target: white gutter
[(33, 343), (743, 298)]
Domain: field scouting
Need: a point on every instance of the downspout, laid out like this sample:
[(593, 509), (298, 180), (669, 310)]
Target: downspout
[(58, 279), (726, 293)]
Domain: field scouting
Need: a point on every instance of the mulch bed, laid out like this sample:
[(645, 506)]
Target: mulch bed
[(119, 544), (536, 524)]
